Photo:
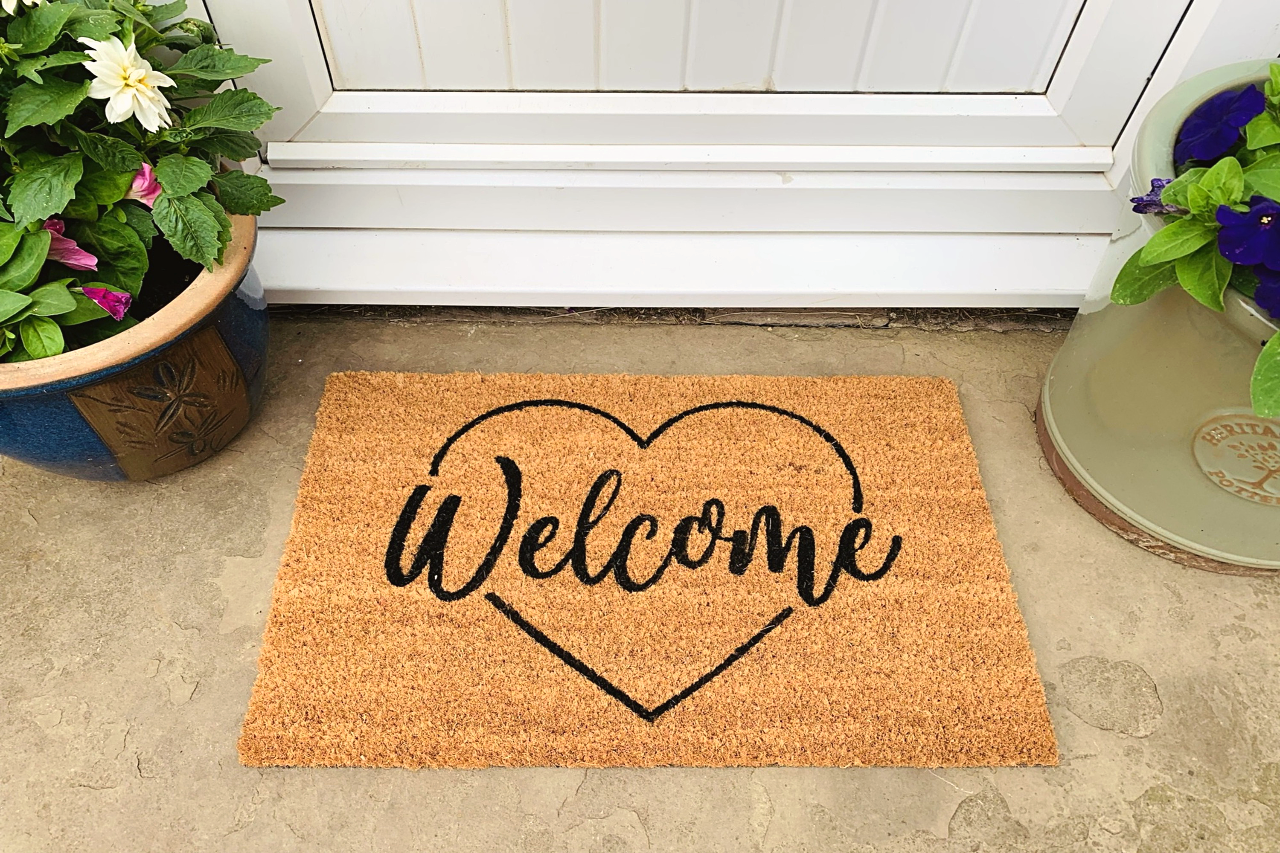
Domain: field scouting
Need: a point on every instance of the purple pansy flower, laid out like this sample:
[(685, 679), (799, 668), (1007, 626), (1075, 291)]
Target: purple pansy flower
[(1214, 126), (1268, 293), (115, 304), (1252, 237), (1151, 203)]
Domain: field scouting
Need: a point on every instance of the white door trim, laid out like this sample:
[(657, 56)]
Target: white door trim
[(556, 269), (767, 158)]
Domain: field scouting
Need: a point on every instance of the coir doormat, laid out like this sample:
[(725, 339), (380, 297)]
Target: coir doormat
[(636, 571)]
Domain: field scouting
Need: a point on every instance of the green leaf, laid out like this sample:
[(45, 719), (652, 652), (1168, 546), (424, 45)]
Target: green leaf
[(210, 62), (44, 190), (43, 103), (9, 237), (234, 109), (1224, 182), (1262, 130), (244, 194), (41, 337), (122, 259), (1263, 177), (1244, 280), (126, 8), (1264, 386), (81, 207), (1176, 192), (139, 219), (1176, 240), (95, 24), (1137, 283), (52, 299), (40, 27), (1204, 274), (166, 12), (22, 269), (179, 175), (1199, 200), (103, 187), (1272, 87), (220, 215), (33, 65), (11, 303), (111, 154), (189, 227), (235, 145)]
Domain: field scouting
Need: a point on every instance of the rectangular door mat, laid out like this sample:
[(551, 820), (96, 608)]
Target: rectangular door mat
[(630, 571)]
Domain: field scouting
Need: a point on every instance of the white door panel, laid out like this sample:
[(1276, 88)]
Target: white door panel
[(695, 45), (857, 129), (464, 44), (642, 45)]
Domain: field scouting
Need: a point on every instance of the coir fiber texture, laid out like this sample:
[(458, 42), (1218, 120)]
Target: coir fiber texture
[(608, 571)]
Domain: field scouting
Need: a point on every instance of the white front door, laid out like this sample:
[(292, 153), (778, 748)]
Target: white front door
[(573, 152)]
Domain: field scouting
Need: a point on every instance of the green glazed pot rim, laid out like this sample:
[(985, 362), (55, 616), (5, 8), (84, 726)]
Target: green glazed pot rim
[(191, 306)]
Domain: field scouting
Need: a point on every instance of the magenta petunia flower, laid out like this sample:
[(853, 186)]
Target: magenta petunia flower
[(65, 251), (115, 304), (145, 186)]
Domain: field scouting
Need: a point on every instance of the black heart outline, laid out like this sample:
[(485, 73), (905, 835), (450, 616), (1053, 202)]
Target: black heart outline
[(643, 442), (645, 713)]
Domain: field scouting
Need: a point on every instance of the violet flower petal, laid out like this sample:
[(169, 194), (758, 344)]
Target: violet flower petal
[(1214, 126), (1151, 202), (1268, 293)]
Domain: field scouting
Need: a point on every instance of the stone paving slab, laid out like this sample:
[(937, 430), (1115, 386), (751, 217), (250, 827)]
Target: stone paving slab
[(130, 618)]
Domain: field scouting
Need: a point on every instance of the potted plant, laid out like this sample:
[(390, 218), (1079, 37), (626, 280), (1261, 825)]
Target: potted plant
[(132, 330), (1159, 414)]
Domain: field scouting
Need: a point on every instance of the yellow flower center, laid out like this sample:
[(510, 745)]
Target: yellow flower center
[(132, 78), (1266, 220)]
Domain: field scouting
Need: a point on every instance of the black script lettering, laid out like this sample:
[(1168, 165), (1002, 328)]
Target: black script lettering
[(710, 523), (600, 498), (537, 537), (588, 519), (855, 537), (430, 552), (776, 552), (618, 562)]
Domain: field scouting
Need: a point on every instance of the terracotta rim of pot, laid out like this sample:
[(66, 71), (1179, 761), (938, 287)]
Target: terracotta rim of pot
[(191, 306)]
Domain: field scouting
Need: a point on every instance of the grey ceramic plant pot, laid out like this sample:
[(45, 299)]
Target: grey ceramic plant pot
[(166, 394), (1145, 414)]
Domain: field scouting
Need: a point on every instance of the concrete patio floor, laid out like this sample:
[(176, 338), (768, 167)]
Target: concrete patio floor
[(130, 618)]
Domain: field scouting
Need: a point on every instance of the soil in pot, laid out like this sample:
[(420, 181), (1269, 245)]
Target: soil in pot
[(167, 276)]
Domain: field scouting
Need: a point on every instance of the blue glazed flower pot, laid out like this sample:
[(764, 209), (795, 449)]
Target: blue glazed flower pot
[(160, 397)]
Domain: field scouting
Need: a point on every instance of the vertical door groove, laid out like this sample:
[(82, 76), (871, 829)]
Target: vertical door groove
[(961, 38), (868, 47)]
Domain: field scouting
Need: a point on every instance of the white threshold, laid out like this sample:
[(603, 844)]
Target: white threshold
[(657, 269)]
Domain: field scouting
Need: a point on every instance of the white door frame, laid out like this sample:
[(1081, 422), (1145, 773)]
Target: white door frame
[(653, 199)]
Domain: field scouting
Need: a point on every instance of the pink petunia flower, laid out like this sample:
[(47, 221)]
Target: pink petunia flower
[(112, 302), (145, 186), (65, 251)]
